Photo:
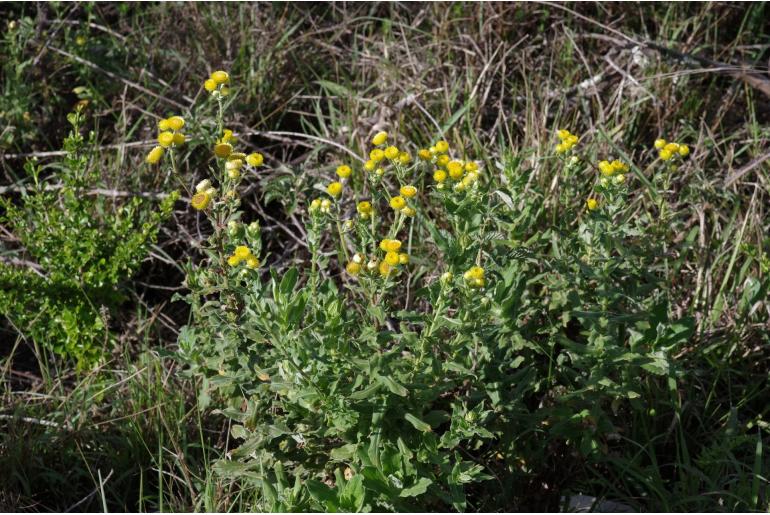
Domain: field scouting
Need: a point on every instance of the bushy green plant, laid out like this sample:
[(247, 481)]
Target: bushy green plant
[(75, 247), (451, 357)]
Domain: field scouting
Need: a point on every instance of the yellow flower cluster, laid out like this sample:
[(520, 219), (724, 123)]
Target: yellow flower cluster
[(387, 266), (399, 203), (223, 149), (463, 173), (217, 84), (474, 277), (616, 167), (384, 152), (668, 151), (364, 209), (169, 135), (243, 254), (204, 194), (322, 206), (568, 140)]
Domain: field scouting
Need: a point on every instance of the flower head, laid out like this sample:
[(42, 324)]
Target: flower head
[(255, 159), (404, 158), (592, 204), (474, 277), (376, 155), (200, 200), (391, 258), (334, 189), (353, 268), (364, 209), (397, 202), (442, 146), (439, 175), (424, 154), (344, 171), (455, 169), (154, 155), (380, 138), (166, 139), (220, 77), (390, 245), (408, 191), (392, 152)]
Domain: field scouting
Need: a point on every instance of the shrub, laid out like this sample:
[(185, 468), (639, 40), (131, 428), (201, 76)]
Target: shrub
[(76, 246), (445, 346)]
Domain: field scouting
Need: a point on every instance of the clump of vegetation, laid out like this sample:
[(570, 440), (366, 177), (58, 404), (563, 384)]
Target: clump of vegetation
[(76, 245), (427, 257)]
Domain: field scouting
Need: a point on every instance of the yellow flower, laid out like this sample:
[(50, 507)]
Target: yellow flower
[(385, 269), (471, 166), (620, 179), (227, 136), (242, 251), (474, 276), (176, 123), (210, 85), (391, 258), (397, 202), (334, 189), (326, 205), (592, 204), (255, 159), (154, 156), (223, 150), (442, 146), (165, 139), (234, 173), (163, 125), (403, 258), (315, 205), (392, 152), (390, 245), (404, 158), (224, 91), (561, 148), (665, 154), (605, 168), (562, 134), (408, 191), (571, 141), (344, 171), (660, 143), (220, 77), (370, 165), (353, 268), (380, 138), (672, 147), (364, 208), (684, 150), (234, 260), (619, 166), (376, 155), (455, 169), (252, 262), (442, 160), (408, 211), (200, 200), (439, 176), (424, 154), (179, 138)]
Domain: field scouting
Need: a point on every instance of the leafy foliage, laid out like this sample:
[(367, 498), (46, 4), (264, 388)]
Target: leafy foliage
[(77, 246)]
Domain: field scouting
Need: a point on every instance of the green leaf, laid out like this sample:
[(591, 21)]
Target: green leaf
[(417, 423), (393, 386), (419, 488)]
